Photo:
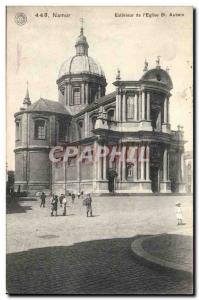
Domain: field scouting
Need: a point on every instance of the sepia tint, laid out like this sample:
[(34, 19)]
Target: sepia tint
[(99, 185)]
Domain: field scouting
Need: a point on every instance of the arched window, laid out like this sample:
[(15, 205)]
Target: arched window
[(93, 120), (40, 129), (76, 96), (18, 130), (80, 129), (130, 170), (62, 130), (93, 94), (110, 116)]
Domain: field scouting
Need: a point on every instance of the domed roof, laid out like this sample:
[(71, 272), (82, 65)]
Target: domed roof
[(81, 64), (158, 75)]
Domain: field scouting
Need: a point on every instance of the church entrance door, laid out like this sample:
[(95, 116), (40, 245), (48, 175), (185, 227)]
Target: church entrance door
[(111, 185), (155, 180)]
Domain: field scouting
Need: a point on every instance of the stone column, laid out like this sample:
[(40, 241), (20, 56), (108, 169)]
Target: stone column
[(86, 100), (168, 165), (124, 108), (135, 106), (136, 162), (165, 109), (86, 122), (95, 174), (182, 166), (82, 93), (142, 162), (140, 105), (143, 105), (78, 170), (99, 91), (119, 165), (165, 165), (159, 124), (147, 162), (69, 93), (168, 116), (120, 107), (104, 166), (99, 168), (65, 96), (123, 164), (148, 106), (117, 105)]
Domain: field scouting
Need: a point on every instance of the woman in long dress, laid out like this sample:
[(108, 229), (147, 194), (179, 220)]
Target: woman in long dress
[(179, 213)]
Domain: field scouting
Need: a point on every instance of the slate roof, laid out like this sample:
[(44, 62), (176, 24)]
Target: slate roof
[(45, 105), (98, 103)]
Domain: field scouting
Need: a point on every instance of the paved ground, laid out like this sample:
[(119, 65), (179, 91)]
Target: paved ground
[(75, 254), (173, 248), (170, 251)]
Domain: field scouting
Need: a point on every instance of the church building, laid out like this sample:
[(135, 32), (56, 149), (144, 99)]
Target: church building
[(134, 116)]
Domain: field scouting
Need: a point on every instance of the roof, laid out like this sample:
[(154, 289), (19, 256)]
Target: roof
[(81, 64), (158, 75), (99, 102), (44, 105)]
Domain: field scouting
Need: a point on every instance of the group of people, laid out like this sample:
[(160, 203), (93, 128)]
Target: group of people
[(87, 201), (62, 200)]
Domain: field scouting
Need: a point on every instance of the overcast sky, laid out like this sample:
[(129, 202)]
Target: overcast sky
[(36, 50)]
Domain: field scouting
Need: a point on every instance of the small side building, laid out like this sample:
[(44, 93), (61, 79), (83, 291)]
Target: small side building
[(38, 127)]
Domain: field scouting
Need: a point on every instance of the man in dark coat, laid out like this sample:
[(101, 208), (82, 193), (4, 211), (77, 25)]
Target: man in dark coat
[(54, 205), (89, 205), (43, 199)]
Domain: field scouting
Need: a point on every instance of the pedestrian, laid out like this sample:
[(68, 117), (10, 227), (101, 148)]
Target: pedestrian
[(179, 213), (54, 205), (61, 199), (78, 195), (43, 199), (64, 202), (88, 203), (73, 198)]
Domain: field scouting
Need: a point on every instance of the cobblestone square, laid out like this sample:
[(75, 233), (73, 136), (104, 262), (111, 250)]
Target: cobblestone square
[(74, 254)]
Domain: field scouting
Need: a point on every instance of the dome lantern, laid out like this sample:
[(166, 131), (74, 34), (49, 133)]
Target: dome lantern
[(81, 44)]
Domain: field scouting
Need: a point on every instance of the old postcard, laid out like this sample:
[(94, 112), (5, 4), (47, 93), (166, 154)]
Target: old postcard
[(99, 186)]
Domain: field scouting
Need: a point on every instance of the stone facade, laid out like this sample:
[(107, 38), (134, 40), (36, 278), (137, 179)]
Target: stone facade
[(135, 116), (188, 171)]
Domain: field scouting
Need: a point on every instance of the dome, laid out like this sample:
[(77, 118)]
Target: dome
[(158, 75), (80, 64)]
